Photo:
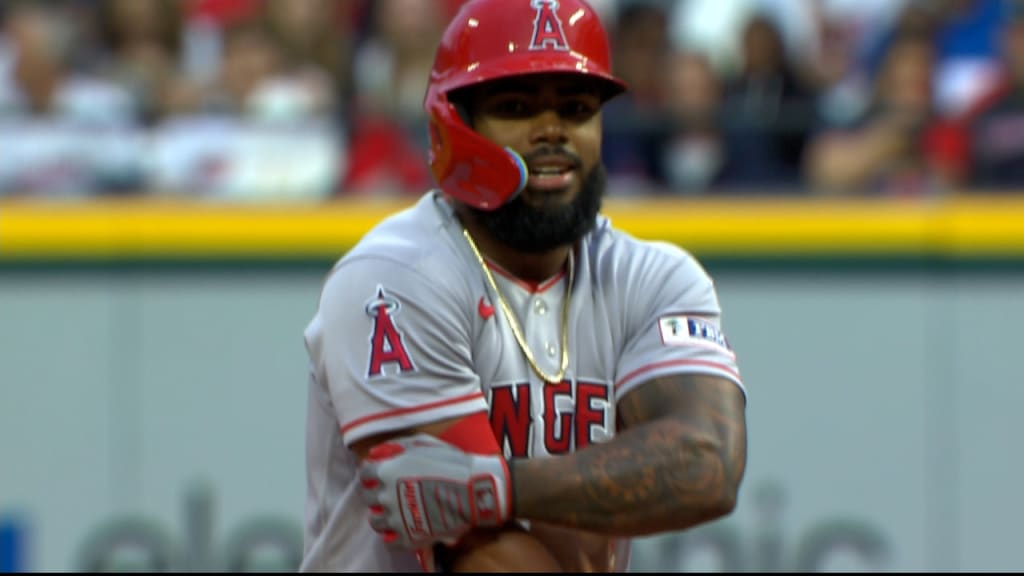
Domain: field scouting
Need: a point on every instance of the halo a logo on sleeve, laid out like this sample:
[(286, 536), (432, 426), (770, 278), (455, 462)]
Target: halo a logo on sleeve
[(387, 343), (690, 331)]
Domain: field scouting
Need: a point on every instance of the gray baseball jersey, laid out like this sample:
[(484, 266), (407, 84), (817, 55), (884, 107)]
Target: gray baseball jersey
[(409, 332)]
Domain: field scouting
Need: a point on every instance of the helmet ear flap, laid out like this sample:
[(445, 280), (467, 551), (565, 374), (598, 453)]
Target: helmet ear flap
[(469, 167)]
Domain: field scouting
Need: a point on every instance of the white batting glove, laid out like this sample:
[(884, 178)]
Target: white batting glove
[(422, 490)]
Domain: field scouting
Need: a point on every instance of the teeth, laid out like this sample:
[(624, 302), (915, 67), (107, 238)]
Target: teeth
[(549, 171)]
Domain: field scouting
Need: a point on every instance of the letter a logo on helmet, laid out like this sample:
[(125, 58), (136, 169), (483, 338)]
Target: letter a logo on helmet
[(494, 39), (547, 28)]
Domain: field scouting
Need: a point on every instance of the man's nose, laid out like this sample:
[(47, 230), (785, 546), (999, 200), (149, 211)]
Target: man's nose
[(549, 128)]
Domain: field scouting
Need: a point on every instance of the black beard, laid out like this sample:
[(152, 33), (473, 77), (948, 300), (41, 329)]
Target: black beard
[(528, 229)]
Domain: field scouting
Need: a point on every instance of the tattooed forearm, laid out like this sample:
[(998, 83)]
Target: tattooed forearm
[(678, 463)]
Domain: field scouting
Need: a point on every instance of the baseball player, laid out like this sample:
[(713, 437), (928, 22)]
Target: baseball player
[(500, 379)]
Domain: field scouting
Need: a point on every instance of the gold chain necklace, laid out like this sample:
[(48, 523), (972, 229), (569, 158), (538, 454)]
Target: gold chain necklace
[(516, 330)]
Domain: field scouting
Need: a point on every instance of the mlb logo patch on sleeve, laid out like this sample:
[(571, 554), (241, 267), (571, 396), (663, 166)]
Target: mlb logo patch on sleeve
[(690, 331)]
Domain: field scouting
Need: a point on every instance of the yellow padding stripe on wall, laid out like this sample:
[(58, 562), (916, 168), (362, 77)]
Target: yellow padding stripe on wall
[(109, 229)]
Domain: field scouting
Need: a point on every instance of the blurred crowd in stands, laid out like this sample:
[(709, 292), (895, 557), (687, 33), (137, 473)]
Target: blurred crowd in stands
[(314, 99)]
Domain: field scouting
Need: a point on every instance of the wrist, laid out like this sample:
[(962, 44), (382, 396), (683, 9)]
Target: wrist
[(491, 491), (510, 467)]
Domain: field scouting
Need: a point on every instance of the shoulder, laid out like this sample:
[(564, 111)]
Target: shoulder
[(647, 276), (617, 256), (408, 236), (409, 253)]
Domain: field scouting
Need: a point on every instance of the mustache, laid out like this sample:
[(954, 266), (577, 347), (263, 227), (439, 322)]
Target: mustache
[(547, 152)]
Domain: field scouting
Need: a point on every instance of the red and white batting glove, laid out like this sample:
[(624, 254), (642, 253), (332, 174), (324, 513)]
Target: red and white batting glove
[(422, 490)]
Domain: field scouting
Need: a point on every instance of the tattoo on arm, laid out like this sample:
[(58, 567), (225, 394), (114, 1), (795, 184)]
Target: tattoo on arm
[(678, 462)]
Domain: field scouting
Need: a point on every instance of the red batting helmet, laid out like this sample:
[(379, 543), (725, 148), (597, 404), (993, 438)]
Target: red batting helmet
[(491, 39)]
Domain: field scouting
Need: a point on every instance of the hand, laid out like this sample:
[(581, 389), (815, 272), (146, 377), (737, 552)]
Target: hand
[(422, 490)]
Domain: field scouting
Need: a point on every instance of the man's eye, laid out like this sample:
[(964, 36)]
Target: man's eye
[(578, 109), (511, 108)]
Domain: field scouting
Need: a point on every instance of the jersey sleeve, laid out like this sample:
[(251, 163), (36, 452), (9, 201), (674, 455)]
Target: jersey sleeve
[(677, 328), (392, 347)]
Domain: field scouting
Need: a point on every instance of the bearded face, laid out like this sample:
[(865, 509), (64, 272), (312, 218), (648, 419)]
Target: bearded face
[(532, 228), (553, 122)]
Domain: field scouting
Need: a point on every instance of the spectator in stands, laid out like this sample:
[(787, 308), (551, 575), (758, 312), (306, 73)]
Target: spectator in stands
[(634, 122), (316, 39), (842, 83), (995, 127), (967, 44), (41, 80), (898, 146), (768, 112), (62, 132), (966, 38), (142, 43), (251, 60), (388, 139), (393, 65), (263, 130), (693, 152)]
